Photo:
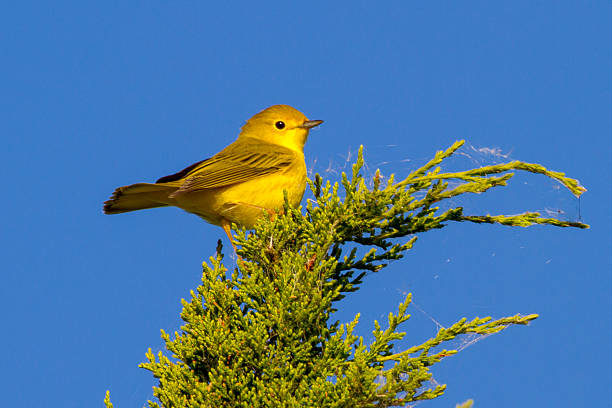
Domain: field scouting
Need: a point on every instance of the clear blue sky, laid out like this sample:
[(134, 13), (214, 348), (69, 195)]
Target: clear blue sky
[(96, 95)]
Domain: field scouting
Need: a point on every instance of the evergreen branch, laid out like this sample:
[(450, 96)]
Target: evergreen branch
[(571, 184), (438, 158), (107, 401), (521, 220), (467, 404), (474, 175)]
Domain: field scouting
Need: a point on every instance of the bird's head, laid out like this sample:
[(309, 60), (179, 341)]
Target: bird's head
[(281, 125)]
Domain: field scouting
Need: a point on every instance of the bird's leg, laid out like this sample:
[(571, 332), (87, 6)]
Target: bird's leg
[(273, 213), (228, 231), (225, 224)]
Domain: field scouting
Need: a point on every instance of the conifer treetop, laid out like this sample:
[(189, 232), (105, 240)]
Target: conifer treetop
[(262, 334)]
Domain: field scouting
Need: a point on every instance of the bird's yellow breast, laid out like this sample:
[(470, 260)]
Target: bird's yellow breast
[(244, 203)]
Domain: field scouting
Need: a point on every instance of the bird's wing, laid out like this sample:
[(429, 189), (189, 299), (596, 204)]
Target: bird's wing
[(176, 177), (237, 163)]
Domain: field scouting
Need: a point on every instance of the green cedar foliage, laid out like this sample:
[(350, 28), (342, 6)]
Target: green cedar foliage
[(262, 334)]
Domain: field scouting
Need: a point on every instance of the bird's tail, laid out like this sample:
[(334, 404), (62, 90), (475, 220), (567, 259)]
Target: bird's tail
[(139, 197)]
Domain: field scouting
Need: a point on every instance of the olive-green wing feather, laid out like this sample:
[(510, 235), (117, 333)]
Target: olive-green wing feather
[(238, 163)]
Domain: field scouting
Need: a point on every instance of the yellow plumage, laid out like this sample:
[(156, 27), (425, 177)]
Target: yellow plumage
[(240, 182)]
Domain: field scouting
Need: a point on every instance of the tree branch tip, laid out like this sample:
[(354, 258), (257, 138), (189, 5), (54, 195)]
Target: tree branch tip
[(467, 404)]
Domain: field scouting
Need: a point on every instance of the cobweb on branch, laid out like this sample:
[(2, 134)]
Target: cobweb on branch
[(525, 191)]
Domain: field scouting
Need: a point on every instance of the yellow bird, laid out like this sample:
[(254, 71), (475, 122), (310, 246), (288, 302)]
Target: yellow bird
[(241, 181)]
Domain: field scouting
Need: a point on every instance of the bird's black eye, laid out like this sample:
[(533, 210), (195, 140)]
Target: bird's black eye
[(280, 125)]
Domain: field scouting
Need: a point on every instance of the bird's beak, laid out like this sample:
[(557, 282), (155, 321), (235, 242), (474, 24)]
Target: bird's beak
[(310, 124)]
